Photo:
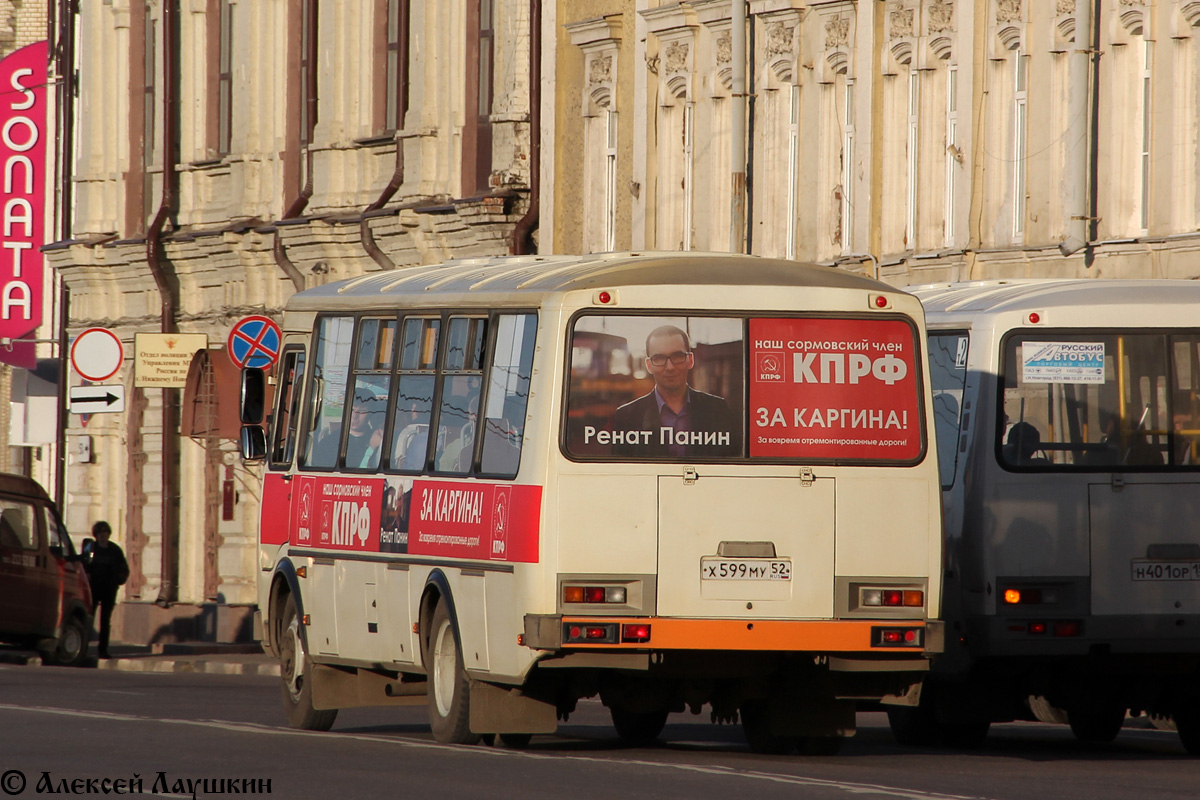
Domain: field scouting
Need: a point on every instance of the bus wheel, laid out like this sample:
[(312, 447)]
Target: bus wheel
[(295, 669), (1187, 722), (913, 726), (449, 691), (516, 741), (821, 745), (1097, 722), (638, 727), (756, 727)]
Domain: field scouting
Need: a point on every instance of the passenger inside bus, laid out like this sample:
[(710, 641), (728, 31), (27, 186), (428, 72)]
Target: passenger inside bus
[(412, 436), (1023, 444), (364, 440)]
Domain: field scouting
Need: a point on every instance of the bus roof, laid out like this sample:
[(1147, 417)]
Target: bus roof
[(539, 275), (978, 298)]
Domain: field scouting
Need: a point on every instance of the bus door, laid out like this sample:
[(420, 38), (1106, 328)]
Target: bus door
[(746, 546)]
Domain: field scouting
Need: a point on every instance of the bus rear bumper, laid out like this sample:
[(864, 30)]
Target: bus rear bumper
[(903, 638)]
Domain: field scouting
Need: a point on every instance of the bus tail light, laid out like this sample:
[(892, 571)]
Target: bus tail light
[(1037, 628), (1068, 627), (594, 633), (594, 594), (1030, 596), (892, 598), (637, 632), (897, 637)]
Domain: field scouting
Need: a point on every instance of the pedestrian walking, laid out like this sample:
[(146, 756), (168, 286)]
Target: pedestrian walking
[(107, 571)]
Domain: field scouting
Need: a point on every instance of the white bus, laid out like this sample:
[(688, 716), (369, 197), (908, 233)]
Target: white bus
[(667, 480), (1068, 422)]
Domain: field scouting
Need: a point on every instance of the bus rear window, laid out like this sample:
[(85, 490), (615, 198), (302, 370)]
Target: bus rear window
[(686, 388)]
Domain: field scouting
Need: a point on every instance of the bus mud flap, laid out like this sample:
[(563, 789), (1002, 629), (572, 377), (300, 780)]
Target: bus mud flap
[(500, 709)]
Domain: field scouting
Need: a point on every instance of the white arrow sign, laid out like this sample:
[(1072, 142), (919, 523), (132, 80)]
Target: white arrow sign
[(98, 399)]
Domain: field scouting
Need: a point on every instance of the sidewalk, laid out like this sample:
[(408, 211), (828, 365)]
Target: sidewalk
[(220, 659)]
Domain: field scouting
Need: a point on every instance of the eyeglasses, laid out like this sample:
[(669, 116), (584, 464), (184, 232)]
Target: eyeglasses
[(677, 358)]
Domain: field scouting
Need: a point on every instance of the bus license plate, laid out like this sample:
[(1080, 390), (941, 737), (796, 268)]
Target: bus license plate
[(745, 569), (1166, 570)]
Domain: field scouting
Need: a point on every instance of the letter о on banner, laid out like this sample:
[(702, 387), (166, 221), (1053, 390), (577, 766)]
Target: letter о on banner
[(254, 342)]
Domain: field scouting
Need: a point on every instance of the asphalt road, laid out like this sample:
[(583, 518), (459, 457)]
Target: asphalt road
[(95, 724)]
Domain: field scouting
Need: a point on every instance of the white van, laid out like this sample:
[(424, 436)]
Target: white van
[(1068, 426)]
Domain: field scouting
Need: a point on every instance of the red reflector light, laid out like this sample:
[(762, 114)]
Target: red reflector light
[(596, 633), (604, 297), (1066, 628), (910, 637), (880, 301), (1037, 627), (893, 597), (593, 594), (637, 632), (575, 632)]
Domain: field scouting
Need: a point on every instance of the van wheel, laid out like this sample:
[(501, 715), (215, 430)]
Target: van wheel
[(449, 689), (295, 669), (756, 727), (638, 728), (1096, 723), (71, 647)]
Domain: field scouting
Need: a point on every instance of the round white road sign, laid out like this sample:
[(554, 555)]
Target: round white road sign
[(96, 354)]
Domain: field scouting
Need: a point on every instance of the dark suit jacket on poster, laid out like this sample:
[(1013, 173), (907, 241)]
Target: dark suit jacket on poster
[(707, 413)]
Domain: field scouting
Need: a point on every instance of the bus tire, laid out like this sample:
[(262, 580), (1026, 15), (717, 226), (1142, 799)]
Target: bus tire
[(821, 745), (516, 741), (1187, 722), (1097, 722), (295, 670), (449, 689), (638, 728), (756, 727)]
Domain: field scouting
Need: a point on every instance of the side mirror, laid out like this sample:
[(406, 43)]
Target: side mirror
[(253, 443)]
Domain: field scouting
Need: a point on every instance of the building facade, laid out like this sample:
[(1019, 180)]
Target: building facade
[(223, 155), (925, 139)]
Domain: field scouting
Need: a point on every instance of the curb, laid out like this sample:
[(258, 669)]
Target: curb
[(214, 667)]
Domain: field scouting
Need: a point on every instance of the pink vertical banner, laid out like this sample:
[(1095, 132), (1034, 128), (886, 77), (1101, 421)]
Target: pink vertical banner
[(23, 118)]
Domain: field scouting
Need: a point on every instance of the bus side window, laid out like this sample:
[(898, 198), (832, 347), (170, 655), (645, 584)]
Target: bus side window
[(414, 393), (331, 362), (508, 394), (458, 410), (283, 432)]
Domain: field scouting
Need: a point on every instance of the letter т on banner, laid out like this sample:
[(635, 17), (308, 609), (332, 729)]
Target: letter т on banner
[(22, 198)]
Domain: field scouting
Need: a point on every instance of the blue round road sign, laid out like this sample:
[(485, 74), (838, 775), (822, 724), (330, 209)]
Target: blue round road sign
[(254, 342)]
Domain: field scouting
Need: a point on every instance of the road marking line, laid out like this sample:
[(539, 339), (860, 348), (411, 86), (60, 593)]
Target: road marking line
[(728, 772)]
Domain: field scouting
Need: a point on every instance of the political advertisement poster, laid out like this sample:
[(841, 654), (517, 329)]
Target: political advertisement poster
[(834, 389), (469, 520), (656, 387)]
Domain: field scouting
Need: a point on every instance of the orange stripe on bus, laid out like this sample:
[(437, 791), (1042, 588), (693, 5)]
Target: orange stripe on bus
[(839, 636)]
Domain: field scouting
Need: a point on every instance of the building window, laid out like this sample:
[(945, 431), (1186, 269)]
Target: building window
[(308, 70), (1020, 114), (913, 157), (793, 171), (225, 82), (610, 182), (952, 151), (1147, 65), (396, 65), (477, 130), (847, 220)]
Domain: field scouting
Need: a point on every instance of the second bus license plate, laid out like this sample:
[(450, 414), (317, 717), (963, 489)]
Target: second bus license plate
[(1165, 570), (745, 569)]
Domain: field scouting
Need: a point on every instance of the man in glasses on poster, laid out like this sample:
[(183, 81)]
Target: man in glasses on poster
[(675, 420)]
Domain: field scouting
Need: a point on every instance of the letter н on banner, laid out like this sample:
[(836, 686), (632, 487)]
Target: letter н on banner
[(23, 114)]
